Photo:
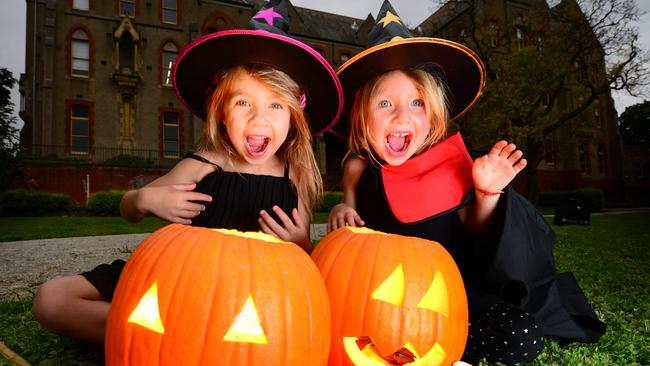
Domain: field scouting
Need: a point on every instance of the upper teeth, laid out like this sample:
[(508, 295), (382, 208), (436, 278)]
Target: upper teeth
[(399, 134)]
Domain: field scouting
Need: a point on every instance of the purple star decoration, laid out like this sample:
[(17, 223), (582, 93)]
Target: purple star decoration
[(268, 15)]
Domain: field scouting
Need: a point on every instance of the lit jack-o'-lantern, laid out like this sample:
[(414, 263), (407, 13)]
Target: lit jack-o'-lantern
[(197, 296), (394, 299)]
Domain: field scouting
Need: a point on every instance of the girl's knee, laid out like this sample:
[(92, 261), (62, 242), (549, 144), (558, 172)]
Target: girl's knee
[(47, 301), (54, 297)]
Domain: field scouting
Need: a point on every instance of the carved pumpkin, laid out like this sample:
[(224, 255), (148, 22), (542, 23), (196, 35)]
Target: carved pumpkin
[(197, 296), (394, 299)]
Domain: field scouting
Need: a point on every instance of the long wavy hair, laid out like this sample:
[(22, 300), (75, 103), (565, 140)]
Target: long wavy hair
[(296, 151), (435, 102)]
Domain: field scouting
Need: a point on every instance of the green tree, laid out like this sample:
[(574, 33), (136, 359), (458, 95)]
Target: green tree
[(545, 68), (8, 131), (634, 124)]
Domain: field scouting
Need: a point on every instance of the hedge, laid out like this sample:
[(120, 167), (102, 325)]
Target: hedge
[(20, 202), (104, 203), (591, 198), (329, 200)]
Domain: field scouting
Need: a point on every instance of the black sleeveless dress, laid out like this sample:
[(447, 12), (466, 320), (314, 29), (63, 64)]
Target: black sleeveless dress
[(237, 199)]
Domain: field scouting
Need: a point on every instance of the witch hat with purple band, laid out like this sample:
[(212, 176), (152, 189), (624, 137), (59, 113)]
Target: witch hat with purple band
[(391, 46), (266, 43)]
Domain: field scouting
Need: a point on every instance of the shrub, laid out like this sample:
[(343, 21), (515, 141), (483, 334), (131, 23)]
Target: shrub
[(329, 200), (20, 202), (591, 198), (128, 160), (104, 203)]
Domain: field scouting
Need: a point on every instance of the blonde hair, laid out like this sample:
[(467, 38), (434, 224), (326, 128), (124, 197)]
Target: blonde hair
[(296, 151), (435, 102)]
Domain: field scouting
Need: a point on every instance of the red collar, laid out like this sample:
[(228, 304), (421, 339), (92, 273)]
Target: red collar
[(430, 183)]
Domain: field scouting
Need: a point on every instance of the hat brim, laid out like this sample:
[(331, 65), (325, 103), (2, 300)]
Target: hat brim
[(200, 60), (463, 70)]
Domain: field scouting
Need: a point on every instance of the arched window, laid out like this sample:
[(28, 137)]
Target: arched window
[(169, 53), (80, 54)]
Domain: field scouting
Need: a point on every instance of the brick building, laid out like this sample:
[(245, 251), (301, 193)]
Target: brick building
[(97, 90)]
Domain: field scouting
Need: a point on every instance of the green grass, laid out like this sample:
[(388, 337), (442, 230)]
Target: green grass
[(45, 227), (609, 259), (30, 228)]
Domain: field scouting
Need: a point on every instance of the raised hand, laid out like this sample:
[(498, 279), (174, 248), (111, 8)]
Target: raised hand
[(343, 215), (493, 172), (173, 203)]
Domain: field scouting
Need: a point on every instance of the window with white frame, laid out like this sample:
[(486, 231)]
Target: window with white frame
[(81, 4), (79, 129), (171, 146), (80, 54), (169, 11)]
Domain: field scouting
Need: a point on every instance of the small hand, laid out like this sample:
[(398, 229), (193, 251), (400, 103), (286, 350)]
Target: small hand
[(295, 230), (493, 172), (174, 202), (343, 215)]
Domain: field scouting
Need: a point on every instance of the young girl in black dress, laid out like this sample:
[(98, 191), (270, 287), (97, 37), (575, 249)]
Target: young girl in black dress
[(406, 174), (254, 168)]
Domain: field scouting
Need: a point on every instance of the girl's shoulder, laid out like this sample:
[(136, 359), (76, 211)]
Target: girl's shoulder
[(205, 157), (193, 168)]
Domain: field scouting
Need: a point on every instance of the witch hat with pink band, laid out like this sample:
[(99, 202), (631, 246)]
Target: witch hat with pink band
[(265, 43)]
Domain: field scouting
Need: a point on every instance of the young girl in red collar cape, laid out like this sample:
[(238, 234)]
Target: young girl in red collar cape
[(406, 174)]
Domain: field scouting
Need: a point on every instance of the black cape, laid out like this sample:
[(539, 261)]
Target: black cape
[(514, 263)]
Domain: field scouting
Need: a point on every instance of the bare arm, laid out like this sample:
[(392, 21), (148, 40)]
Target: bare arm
[(345, 214), (170, 196), (491, 174)]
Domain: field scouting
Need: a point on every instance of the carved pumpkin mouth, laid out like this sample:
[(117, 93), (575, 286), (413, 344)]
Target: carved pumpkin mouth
[(363, 352)]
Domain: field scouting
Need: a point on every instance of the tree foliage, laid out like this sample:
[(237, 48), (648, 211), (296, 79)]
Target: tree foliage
[(634, 124), (568, 56), (8, 131)]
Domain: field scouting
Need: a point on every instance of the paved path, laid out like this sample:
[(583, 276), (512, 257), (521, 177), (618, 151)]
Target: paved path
[(24, 265)]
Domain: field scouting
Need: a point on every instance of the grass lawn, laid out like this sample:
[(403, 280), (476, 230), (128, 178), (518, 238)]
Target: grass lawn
[(45, 227), (609, 258)]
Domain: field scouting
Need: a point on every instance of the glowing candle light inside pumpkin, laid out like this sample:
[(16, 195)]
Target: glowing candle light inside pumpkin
[(146, 313)]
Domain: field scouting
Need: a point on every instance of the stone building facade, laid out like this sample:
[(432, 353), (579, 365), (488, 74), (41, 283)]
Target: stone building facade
[(97, 87)]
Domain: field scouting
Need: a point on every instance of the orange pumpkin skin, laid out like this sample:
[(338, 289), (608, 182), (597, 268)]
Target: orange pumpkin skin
[(357, 263), (205, 280)]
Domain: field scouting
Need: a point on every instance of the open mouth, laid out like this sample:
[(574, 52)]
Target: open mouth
[(398, 142), (256, 145), (363, 351)]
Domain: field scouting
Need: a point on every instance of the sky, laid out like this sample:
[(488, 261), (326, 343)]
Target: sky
[(412, 12)]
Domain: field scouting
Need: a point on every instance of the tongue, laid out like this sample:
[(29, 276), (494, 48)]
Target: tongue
[(396, 143), (255, 143)]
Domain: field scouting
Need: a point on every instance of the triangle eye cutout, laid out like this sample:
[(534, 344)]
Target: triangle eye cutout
[(392, 289), (436, 298), (246, 328), (146, 314)]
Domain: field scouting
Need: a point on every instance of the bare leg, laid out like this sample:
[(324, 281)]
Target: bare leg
[(72, 307)]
